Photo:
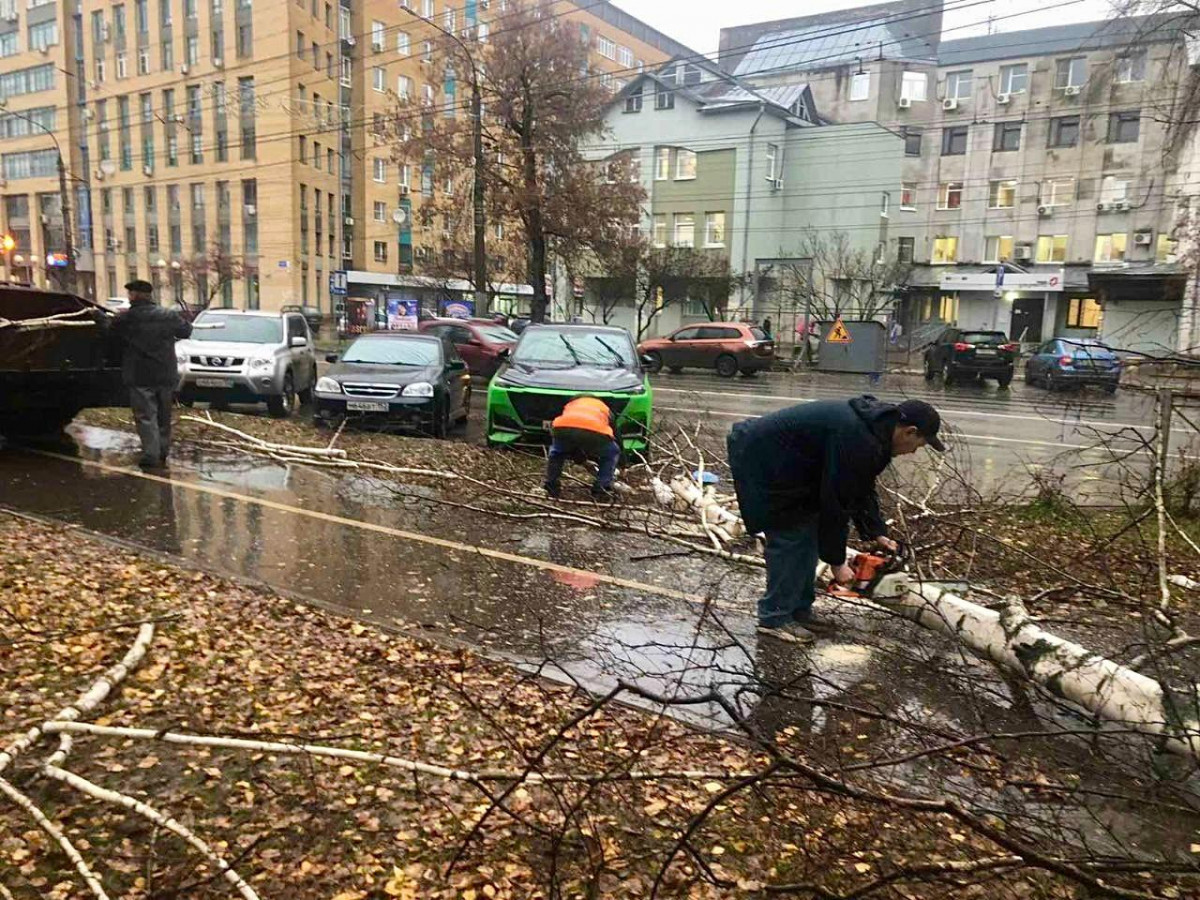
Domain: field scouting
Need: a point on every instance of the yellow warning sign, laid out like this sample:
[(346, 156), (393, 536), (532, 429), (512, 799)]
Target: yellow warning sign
[(838, 334)]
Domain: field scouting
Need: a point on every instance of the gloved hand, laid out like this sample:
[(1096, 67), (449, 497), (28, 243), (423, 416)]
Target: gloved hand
[(843, 574), (886, 543)]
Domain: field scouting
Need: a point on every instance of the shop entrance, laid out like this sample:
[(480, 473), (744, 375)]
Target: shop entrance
[(1027, 320)]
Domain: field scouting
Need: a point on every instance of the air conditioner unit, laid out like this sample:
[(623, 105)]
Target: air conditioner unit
[(178, 117), (45, 50), (1003, 99), (1104, 207), (349, 220), (1122, 205), (404, 190), (950, 103), (376, 47), (250, 210), (1043, 210), (105, 31), (1143, 238), (87, 114), (904, 102), (1071, 90), (102, 125), (183, 70), (421, 253), (147, 170), (350, 39), (1022, 251), (218, 63)]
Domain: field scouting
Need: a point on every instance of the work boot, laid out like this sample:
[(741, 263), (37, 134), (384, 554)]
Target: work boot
[(792, 632), (553, 491), (602, 494), (813, 622)]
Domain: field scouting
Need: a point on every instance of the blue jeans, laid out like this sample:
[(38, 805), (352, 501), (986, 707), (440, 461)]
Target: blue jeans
[(571, 444), (792, 558)]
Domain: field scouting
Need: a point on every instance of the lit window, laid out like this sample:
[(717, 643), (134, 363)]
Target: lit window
[(1083, 312), (1165, 251), (950, 195), (1110, 248), (1051, 248), (1002, 194), (685, 165), (685, 230), (945, 251), (714, 229), (998, 248)]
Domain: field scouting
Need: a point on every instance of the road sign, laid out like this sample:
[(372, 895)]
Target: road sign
[(838, 334), (337, 283)]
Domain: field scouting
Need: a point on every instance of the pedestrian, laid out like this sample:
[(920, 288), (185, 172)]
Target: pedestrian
[(584, 431), (801, 475), (766, 325), (148, 333)]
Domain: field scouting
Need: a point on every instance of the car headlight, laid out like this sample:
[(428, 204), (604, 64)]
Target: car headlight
[(259, 364), (327, 385), (420, 389)]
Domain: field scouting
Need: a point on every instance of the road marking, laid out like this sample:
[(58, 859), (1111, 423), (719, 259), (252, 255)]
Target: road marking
[(413, 536), (958, 412), (969, 437)]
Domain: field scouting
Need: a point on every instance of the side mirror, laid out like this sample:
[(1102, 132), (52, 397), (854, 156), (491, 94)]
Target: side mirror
[(331, 357), (298, 342), (647, 359), (457, 365)]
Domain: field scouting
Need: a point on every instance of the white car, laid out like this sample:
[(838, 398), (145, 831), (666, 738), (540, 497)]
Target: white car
[(236, 356)]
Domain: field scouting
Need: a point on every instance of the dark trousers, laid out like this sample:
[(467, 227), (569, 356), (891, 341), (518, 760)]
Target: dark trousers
[(792, 557), (581, 445), (152, 413)]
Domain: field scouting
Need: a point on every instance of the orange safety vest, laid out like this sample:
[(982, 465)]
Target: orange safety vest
[(586, 414)]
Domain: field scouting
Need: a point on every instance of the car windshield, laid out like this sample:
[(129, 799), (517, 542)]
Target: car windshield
[(984, 337), (389, 351), (1087, 348), (576, 347), (241, 329), (497, 334)]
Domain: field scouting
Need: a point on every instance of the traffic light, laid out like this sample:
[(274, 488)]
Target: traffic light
[(8, 243)]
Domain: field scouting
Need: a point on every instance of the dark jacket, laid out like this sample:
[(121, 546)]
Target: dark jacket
[(148, 333), (817, 460)]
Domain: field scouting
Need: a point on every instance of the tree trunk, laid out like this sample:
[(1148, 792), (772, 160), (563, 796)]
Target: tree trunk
[(534, 220)]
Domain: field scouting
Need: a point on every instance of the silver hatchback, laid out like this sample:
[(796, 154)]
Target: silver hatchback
[(248, 357)]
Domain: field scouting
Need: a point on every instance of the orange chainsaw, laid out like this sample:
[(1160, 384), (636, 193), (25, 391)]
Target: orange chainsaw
[(869, 571)]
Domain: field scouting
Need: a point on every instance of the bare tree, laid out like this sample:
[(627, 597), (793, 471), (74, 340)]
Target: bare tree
[(209, 274)]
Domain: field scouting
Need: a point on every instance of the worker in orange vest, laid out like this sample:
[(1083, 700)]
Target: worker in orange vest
[(584, 431)]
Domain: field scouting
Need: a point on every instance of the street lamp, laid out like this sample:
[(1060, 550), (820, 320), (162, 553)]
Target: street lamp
[(478, 192)]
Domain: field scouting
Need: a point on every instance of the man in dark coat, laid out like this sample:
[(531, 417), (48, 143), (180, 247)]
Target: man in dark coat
[(801, 475), (148, 334)]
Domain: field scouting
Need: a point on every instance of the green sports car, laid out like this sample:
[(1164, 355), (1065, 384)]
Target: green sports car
[(553, 364)]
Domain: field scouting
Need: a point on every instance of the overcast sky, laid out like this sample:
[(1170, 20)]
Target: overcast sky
[(698, 23)]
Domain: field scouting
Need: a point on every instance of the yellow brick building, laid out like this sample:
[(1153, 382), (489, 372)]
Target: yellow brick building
[(234, 128)]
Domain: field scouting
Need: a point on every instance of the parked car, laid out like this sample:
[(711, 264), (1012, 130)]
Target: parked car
[(962, 353), (727, 347), (396, 381), (481, 342), (553, 364), (1064, 361), (236, 356)]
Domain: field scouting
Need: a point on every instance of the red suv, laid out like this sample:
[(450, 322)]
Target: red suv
[(481, 342), (727, 347)]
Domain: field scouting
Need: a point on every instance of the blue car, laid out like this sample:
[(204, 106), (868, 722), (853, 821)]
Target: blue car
[(1065, 361)]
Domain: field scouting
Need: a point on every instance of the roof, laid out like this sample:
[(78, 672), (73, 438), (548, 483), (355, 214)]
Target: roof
[(1074, 38), (618, 18), (727, 94), (905, 29)]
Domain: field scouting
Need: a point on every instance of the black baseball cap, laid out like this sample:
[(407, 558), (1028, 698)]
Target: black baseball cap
[(926, 419), (139, 286)]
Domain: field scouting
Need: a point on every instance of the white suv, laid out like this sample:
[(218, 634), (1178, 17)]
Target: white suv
[(248, 357)]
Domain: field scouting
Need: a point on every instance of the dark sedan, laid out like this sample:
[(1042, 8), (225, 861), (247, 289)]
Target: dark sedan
[(960, 353), (396, 382)]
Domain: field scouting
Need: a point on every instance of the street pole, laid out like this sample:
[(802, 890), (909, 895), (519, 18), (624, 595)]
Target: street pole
[(64, 201)]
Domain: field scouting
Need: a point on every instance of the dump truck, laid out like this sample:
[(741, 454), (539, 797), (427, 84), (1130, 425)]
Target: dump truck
[(57, 357)]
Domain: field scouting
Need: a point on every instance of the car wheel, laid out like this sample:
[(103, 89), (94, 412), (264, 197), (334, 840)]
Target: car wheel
[(749, 373), (676, 370), (947, 375), (726, 366), (1005, 380), (654, 362), (285, 404), (930, 371), (1110, 388)]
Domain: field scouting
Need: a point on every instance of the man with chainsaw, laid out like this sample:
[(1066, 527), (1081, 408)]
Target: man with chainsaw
[(801, 475), (584, 431)]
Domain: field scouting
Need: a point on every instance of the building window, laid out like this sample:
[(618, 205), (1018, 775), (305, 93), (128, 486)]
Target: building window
[(662, 163), (633, 103), (664, 97), (950, 195), (998, 248), (945, 251), (1083, 312), (685, 165), (8, 44), (1114, 189), (1110, 248), (958, 85), (380, 211), (43, 35), (377, 31), (908, 195), (1131, 68), (380, 169), (403, 43), (905, 249), (381, 251), (606, 47), (1058, 192), (1124, 127), (1008, 137), (714, 229), (1064, 131), (860, 86), (377, 79), (1014, 79), (685, 230), (914, 86), (954, 140), (912, 142), (1070, 73), (1051, 248), (660, 230), (1002, 194), (427, 94), (885, 204), (1165, 251)]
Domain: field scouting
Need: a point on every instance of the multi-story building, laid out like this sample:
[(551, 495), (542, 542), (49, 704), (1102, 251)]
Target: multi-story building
[(1047, 155), (223, 148), (739, 174)]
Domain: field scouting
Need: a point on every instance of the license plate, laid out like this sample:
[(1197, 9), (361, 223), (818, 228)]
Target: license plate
[(983, 351), (212, 382), (367, 405)]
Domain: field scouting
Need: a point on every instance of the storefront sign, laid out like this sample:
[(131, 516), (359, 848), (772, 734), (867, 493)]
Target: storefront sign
[(1011, 281), (458, 309), (402, 314)]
